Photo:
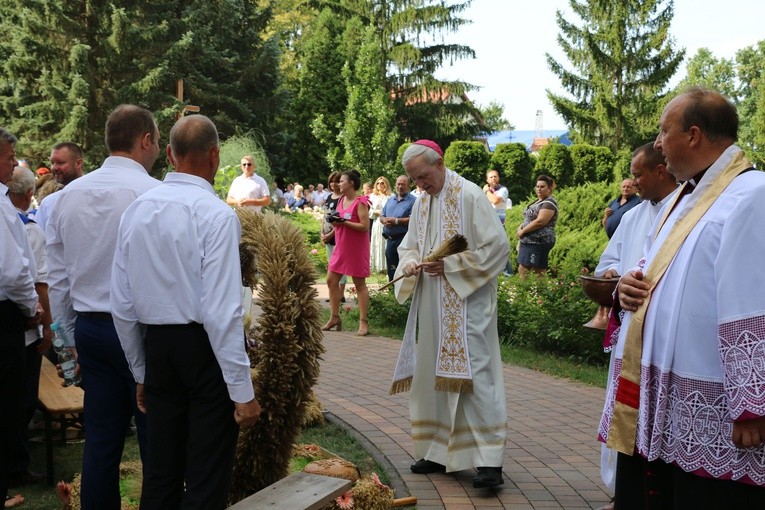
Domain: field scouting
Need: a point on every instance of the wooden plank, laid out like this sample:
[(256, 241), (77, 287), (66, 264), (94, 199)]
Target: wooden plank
[(54, 397), (298, 491)]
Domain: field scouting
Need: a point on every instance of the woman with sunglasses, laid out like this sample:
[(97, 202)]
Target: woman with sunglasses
[(379, 197)]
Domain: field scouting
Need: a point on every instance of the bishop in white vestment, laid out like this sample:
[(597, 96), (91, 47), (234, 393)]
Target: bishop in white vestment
[(457, 400)]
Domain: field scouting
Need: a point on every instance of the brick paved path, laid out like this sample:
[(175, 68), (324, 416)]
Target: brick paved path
[(551, 458)]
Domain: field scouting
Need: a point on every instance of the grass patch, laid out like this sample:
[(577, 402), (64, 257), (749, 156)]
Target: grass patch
[(555, 365), (68, 462), (335, 439)]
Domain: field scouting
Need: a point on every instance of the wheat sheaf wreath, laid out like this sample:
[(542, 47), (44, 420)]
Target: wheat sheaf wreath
[(288, 342)]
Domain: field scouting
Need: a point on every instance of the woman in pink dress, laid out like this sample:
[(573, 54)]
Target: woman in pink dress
[(351, 254)]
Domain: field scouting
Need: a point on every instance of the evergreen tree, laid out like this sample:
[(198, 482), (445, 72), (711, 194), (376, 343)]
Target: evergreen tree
[(622, 58), (72, 62), (369, 134), (751, 106), (493, 117), (411, 37), (318, 109)]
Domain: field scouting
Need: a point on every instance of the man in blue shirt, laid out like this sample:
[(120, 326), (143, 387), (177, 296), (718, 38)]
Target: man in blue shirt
[(620, 205), (395, 220)]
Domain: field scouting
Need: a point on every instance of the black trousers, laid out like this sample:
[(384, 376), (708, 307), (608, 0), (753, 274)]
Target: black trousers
[(12, 323), (656, 485), (19, 462), (190, 419)]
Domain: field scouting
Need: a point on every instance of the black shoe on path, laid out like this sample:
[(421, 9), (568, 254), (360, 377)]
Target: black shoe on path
[(488, 477), (423, 467)]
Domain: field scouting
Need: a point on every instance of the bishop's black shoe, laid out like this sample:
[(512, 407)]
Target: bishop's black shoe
[(488, 477), (423, 467)]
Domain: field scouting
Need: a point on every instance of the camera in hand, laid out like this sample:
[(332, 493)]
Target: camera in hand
[(335, 218)]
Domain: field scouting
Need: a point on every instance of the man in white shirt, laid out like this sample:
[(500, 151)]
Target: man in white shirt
[(66, 166), (19, 308), (37, 340), (249, 189), (656, 187), (81, 235), (185, 342)]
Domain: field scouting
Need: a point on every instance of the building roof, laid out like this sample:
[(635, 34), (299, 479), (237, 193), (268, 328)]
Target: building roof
[(528, 138)]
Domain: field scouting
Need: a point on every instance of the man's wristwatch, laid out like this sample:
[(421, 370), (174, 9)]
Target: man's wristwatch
[(396, 221)]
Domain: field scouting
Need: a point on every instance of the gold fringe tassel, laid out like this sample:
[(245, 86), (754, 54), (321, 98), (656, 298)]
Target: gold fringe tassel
[(401, 386), (454, 385)]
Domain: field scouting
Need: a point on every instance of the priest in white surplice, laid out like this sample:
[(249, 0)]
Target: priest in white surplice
[(625, 249), (687, 412), (457, 400)]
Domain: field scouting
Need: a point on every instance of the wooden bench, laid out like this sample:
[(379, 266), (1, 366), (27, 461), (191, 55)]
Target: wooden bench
[(60, 404), (298, 491)]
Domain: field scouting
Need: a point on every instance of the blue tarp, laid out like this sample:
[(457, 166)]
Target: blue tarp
[(525, 137)]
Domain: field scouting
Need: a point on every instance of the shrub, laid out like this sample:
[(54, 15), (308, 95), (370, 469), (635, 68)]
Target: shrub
[(311, 228), (555, 160), (469, 159), (591, 163), (516, 169), (622, 166), (546, 315), (384, 309)]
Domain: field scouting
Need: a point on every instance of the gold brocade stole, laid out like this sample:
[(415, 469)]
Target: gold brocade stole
[(623, 430)]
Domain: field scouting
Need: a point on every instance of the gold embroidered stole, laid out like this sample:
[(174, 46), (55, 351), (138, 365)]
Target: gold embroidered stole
[(623, 430), (453, 370)]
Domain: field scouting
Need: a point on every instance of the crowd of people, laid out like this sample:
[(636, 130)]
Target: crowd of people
[(143, 277), (141, 304)]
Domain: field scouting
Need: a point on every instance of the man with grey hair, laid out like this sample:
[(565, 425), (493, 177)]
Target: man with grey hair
[(81, 235), (457, 402), (19, 308), (37, 340), (185, 342)]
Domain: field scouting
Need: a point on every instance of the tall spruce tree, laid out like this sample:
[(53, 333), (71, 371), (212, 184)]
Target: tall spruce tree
[(369, 133), (70, 63), (318, 109), (411, 35), (622, 57)]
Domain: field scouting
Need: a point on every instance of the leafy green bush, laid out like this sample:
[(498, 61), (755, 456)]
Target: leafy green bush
[(546, 315), (311, 228), (469, 159), (555, 160), (384, 309), (516, 169), (591, 163), (622, 165)]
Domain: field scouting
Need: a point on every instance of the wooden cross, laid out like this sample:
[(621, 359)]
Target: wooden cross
[(186, 108)]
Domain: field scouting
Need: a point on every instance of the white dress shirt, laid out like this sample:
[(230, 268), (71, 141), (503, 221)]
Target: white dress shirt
[(249, 187), (81, 234), (44, 209), (37, 245), (17, 266), (177, 262), (625, 248)]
